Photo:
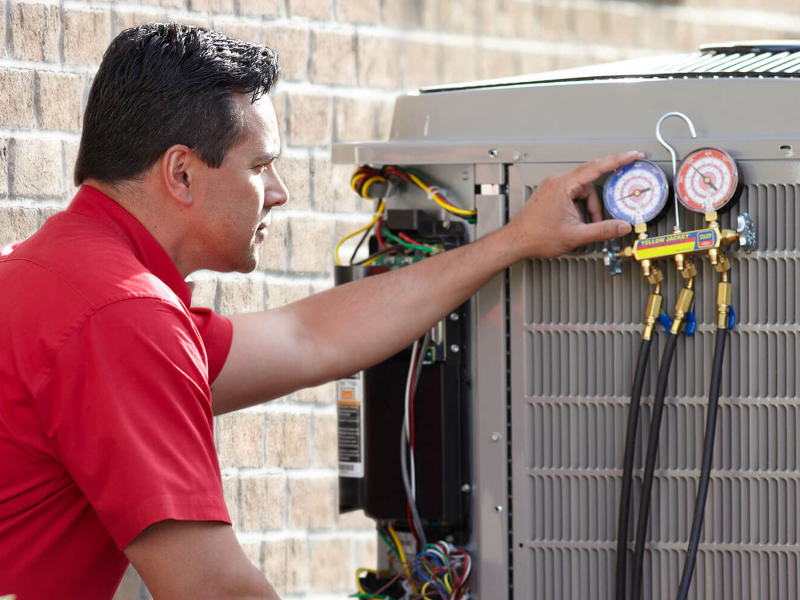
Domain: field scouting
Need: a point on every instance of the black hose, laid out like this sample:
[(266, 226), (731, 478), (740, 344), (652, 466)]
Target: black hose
[(650, 465), (705, 469), (627, 468)]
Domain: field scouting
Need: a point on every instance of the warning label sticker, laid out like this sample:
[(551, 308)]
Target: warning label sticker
[(350, 413)]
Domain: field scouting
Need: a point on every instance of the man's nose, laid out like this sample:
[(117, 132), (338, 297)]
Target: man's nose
[(275, 191)]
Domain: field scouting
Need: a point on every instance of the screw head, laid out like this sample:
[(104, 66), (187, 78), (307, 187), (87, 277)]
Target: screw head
[(498, 509), (466, 488), (496, 437), (454, 316), (517, 155), (454, 348), (494, 153)]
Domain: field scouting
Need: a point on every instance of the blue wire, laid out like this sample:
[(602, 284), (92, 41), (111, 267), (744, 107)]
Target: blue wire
[(441, 590)]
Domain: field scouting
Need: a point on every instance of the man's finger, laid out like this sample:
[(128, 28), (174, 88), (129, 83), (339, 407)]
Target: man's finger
[(588, 172), (593, 203), (603, 231)]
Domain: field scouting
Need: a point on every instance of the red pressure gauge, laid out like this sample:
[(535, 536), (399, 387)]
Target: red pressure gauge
[(707, 180)]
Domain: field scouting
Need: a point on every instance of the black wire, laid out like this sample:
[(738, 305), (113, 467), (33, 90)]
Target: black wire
[(705, 469), (361, 241), (627, 468), (650, 465), (376, 255)]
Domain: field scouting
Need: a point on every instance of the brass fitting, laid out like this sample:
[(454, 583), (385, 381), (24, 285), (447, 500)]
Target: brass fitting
[(651, 272), (724, 297), (640, 229), (723, 264), (682, 307), (651, 314), (686, 266), (712, 218)]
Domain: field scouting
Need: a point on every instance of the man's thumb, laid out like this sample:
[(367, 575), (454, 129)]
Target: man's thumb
[(603, 231)]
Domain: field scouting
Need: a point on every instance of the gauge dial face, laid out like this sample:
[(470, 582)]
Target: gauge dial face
[(636, 193), (707, 180)]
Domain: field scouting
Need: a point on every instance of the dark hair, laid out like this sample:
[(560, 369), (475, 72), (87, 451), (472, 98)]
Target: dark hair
[(162, 84)]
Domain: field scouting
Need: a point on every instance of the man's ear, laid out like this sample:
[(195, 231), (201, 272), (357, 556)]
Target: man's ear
[(178, 172)]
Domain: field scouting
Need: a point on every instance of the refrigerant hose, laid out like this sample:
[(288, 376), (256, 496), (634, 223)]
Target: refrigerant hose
[(627, 468), (705, 469), (650, 463)]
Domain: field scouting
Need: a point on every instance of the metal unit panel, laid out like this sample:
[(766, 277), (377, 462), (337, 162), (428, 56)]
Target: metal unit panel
[(575, 331), (490, 423)]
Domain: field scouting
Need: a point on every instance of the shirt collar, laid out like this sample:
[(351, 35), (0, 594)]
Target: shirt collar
[(95, 205)]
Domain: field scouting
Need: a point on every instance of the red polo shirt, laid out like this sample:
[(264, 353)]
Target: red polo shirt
[(105, 405)]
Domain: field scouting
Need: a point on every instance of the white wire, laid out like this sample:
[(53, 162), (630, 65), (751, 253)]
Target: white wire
[(407, 418)]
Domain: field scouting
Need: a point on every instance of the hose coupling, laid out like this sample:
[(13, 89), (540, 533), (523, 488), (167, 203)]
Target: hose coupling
[(686, 267), (723, 264), (682, 307), (652, 312), (651, 272), (724, 298)]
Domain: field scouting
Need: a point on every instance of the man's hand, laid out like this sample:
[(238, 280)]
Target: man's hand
[(351, 327), (550, 224)]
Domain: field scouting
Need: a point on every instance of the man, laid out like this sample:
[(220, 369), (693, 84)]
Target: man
[(108, 379)]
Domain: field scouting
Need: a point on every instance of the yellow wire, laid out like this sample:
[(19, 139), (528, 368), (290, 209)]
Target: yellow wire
[(377, 216), (355, 179), (424, 593), (360, 587), (402, 555), (369, 182), (452, 209), (447, 584)]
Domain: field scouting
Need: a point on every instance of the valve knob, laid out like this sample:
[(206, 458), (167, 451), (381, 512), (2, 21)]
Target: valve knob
[(747, 233), (611, 259)]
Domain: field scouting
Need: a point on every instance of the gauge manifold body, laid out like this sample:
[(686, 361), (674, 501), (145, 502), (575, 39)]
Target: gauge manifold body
[(636, 193), (707, 180)]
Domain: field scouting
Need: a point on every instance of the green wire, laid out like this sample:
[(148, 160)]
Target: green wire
[(402, 242)]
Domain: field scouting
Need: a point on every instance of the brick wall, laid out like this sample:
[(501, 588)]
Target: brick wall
[(343, 62)]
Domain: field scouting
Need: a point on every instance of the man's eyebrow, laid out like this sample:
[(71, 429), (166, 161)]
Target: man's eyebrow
[(268, 157)]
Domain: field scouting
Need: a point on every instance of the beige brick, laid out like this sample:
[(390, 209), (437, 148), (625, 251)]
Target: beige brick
[(430, 15), (254, 553), (274, 561), (357, 11), (248, 32), (312, 502), (34, 31), (263, 501), (124, 19), (378, 62), (275, 438), (332, 564), (322, 393), (258, 8), (333, 57), (491, 17), (297, 440), (87, 34), (553, 21), (311, 245), (536, 63), (401, 13), (292, 44), (518, 20), (367, 553), (313, 9), (205, 291), (220, 6), (293, 168), (354, 520), (240, 295), (355, 119), (498, 63), (325, 449), (16, 224), (286, 292), (459, 16), (16, 101), (279, 100), (460, 64), (35, 168), (589, 25), (331, 184), (309, 122), (44, 214), (422, 63), (130, 586), (240, 438), (59, 100), (385, 118), (297, 566), (70, 158), (230, 490), (3, 167), (3, 36), (273, 253)]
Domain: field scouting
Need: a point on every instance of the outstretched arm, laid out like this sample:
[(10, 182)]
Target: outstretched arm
[(345, 329)]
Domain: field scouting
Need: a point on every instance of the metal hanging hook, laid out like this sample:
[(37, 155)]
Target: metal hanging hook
[(671, 151)]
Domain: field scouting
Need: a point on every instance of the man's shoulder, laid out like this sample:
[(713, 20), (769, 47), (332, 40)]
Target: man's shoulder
[(76, 260)]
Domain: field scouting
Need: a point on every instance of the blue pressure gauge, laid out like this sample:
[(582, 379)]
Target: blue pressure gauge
[(636, 193)]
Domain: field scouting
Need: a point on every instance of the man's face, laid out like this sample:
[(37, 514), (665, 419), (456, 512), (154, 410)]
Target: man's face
[(236, 198)]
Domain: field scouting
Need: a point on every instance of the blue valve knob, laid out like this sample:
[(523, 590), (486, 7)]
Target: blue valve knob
[(731, 318), (665, 321), (691, 323)]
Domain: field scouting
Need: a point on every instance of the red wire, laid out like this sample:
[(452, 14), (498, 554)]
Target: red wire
[(405, 238), (378, 233)]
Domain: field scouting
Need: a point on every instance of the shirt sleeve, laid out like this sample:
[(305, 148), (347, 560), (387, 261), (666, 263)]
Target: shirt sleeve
[(217, 334), (127, 408)]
